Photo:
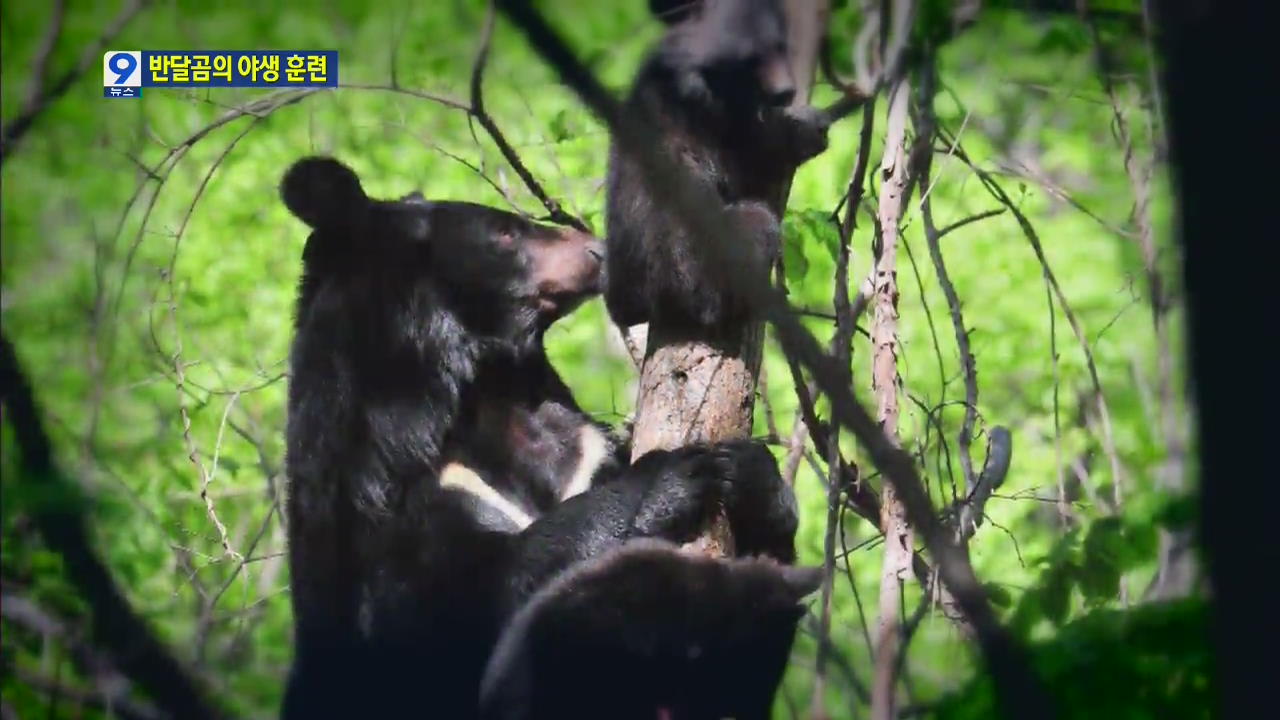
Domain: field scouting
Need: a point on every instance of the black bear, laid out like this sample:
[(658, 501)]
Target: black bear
[(439, 472), (594, 644), (716, 87)]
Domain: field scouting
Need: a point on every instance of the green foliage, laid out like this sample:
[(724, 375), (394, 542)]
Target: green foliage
[(1146, 663), (1091, 568), (107, 303), (804, 231)]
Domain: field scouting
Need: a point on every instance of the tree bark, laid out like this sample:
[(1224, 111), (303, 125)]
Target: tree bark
[(897, 531), (695, 392)]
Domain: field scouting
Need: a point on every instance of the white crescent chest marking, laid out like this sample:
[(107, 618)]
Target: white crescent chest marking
[(463, 478), (594, 447)]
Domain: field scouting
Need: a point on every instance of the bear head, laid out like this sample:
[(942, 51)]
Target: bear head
[(502, 277), (733, 50)]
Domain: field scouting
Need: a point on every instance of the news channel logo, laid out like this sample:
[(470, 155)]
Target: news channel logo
[(126, 72)]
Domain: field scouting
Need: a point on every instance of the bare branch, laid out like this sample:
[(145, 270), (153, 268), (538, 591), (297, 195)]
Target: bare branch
[(840, 473), (475, 109), (140, 655), (40, 65), (40, 101), (896, 181), (110, 685), (100, 698), (478, 170), (853, 588), (444, 100), (257, 109), (555, 212), (946, 230), (925, 127), (1033, 238), (205, 476), (860, 496), (205, 621), (1064, 512), (994, 470), (834, 473), (1018, 169), (1175, 572)]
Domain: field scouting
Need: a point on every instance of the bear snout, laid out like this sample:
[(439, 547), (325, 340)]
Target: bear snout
[(583, 262), (567, 270), (776, 82)]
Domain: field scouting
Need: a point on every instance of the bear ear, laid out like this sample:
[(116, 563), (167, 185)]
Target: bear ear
[(415, 198), (801, 581), (322, 192), (671, 12)]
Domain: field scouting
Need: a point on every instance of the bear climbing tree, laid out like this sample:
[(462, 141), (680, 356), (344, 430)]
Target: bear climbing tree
[(698, 375)]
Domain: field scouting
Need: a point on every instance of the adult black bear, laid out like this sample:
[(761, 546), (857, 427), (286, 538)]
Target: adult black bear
[(419, 393), (715, 87)]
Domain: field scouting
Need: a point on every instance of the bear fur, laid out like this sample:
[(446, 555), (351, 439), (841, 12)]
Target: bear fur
[(716, 87), (420, 392)]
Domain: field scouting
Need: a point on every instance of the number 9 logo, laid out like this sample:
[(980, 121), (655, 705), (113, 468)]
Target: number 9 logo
[(122, 68)]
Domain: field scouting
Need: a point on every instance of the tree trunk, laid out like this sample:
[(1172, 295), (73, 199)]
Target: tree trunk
[(1211, 51), (693, 392), (898, 541)]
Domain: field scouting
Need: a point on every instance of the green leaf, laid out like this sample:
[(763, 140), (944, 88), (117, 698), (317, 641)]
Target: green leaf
[(811, 228), (1100, 580), (794, 262), (560, 126), (1179, 513), (45, 562), (1055, 594), (998, 595), (1069, 37), (1140, 546), (1105, 541)]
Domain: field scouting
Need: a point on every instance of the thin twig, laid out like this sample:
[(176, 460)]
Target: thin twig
[(834, 466), (99, 698), (842, 351), (40, 65), (38, 102), (205, 475), (1064, 512), (257, 109), (925, 124), (555, 212), (946, 230), (863, 625), (1021, 171), (140, 655), (444, 100), (1033, 239), (1174, 571)]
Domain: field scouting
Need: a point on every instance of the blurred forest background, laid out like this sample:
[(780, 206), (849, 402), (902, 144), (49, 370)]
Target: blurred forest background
[(149, 272)]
